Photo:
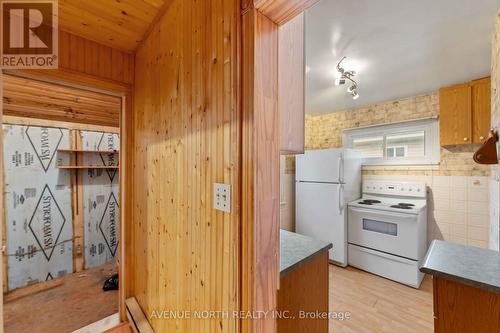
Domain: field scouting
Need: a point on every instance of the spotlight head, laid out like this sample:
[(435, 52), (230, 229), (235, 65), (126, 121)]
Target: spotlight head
[(355, 95), (339, 81), (351, 88)]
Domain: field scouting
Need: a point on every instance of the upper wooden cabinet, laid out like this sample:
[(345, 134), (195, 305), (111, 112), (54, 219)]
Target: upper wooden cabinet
[(465, 112), (291, 72), (481, 109)]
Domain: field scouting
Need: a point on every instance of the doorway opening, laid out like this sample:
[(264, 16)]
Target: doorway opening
[(61, 153)]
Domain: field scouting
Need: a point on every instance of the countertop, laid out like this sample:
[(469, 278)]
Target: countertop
[(296, 250), (469, 265)]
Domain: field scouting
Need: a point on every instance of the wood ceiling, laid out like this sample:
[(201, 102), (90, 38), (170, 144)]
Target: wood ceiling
[(120, 24)]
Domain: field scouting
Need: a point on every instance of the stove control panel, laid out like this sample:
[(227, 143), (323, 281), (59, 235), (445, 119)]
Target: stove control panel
[(407, 189)]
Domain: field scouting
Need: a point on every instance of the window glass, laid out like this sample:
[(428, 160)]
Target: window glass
[(411, 144)]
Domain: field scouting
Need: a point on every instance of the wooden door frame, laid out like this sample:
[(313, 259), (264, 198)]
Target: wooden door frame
[(95, 84), (260, 155)]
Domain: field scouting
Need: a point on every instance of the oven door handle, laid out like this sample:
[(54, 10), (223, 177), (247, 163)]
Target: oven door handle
[(382, 213)]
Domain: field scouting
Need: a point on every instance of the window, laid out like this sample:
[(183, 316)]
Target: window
[(406, 143)]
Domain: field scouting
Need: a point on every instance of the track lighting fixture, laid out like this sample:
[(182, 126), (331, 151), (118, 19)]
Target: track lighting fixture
[(347, 76)]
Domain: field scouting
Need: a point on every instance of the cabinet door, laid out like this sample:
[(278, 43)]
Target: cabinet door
[(455, 115), (291, 71), (481, 109)]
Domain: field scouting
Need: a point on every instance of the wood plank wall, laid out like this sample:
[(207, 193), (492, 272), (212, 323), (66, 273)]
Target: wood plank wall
[(24, 97), (84, 56), (185, 138)]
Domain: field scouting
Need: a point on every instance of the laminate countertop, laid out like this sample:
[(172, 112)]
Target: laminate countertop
[(296, 250), (469, 265)]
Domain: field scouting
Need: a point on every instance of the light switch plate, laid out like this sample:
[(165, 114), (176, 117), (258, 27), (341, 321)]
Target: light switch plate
[(222, 197)]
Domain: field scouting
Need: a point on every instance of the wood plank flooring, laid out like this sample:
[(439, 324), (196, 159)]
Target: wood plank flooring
[(78, 302), (378, 305)]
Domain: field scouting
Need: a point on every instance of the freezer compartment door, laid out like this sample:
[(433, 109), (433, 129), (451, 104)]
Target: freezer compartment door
[(321, 214), (324, 166)]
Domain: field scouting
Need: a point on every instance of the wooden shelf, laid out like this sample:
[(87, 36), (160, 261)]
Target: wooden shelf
[(88, 151), (88, 167)]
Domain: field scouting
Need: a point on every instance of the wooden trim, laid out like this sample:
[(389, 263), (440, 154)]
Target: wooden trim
[(74, 79), (282, 11), (136, 317), (32, 290), (3, 270), (13, 120), (260, 173), (77, 204), (126, 184)]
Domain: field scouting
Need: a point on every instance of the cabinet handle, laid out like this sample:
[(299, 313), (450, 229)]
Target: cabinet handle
[(481, 138), (466, 139)]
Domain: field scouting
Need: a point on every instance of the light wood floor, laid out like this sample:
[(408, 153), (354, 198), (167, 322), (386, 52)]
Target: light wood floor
[(378, 305), (78, 302)]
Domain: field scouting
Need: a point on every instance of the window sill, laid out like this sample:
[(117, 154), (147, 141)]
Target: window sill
[(401, 167)]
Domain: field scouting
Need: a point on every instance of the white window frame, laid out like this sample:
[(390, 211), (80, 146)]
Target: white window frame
[(430, 127), (405, 148)]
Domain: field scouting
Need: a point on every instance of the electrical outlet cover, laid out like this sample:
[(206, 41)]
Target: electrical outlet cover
[(222, 197)]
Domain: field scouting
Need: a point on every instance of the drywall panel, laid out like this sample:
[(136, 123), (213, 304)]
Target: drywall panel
[(37, 204), (100, 198)]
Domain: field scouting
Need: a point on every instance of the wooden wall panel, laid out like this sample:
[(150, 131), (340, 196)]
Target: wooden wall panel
[(25, 97), (184, 254), (84, 56), (291, 80), (260, 170)]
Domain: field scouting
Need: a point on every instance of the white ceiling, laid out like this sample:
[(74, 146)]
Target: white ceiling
[(400, 48)]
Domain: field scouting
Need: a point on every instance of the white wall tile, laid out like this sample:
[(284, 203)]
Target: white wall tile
[(477, 243), (441, 181), (477, 233), (480, 220), (478, 207), (458, 181)]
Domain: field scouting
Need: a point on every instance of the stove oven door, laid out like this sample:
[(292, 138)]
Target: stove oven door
[(391, 232)]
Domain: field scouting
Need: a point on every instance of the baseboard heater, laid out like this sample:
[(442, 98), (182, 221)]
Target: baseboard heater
[(136, 317)]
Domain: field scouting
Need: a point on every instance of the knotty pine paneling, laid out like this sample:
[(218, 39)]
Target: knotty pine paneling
[(185, 138), (119, 24), (25, 97), (85, 56)]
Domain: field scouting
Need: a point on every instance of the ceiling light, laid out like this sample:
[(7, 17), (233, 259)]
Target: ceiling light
[(347, 75)]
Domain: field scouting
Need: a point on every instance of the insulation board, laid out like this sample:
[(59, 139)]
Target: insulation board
[(38, 215), (100, 198)]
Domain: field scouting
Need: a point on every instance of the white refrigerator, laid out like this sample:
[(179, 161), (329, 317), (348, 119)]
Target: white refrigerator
[(326, 180)]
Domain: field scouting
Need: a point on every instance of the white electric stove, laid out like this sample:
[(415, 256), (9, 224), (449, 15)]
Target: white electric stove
[(387, 230)]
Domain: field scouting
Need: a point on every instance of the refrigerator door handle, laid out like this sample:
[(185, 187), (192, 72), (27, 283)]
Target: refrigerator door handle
[(341, 169), (341, 198)]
